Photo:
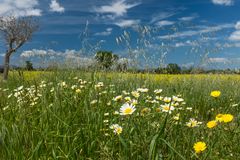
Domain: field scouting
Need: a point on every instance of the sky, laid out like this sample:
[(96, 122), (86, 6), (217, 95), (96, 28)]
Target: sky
[(202, 33)]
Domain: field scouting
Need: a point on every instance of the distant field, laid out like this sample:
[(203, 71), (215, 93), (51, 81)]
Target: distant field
[(84, 115)]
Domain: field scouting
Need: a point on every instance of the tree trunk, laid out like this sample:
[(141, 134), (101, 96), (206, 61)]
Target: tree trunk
[(6, 66)]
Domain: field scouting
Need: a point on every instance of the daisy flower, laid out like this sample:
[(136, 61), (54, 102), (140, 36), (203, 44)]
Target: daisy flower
[(167, 108), (127, 109)]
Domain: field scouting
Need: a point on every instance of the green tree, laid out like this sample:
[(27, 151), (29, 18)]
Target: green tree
[(106, 59), (29, 65), (173, 68)]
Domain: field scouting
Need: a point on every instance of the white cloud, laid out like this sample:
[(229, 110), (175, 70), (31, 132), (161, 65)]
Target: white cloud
[(127, 23), (230, 45), (118, 8), (187, 43), (197, 32), (218, 60), (72, 58), (235, 36), (237, 26), (180, 44), (161, 16), (223, 2), (56, 7), (39, 53), (104, 33), (164, 23), (190, 18), (187, 65), (19, 8)]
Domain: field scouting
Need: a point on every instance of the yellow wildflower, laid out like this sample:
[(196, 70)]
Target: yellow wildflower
[(199, 147), (227, 118), (224, 118), (212, 124), (215, 94), (219, 117)]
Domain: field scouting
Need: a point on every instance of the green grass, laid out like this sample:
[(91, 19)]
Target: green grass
[(55, 122)]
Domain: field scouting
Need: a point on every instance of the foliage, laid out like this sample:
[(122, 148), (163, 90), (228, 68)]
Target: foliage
[(73, 115), (29, 66), (106, 59), (173, 68)]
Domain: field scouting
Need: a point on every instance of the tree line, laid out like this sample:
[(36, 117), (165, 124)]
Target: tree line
[(108, 61)]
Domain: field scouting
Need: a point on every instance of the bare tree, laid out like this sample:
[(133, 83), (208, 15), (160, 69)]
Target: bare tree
[(15, 32)]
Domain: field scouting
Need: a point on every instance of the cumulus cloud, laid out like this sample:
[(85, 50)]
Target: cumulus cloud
[(235, 36), (107, 32), (117, 8), (237, 26), (223, 2), (19, 8), (39, 53), (56, 7), (127, 23), (71, 57)]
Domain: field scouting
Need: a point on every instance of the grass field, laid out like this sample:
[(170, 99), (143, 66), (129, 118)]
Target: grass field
[(79, 115)]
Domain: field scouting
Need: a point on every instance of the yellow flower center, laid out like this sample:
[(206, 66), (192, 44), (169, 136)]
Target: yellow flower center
[(128, 111), (167, 108)]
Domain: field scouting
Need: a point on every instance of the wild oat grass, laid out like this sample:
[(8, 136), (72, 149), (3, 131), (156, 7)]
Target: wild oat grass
[(83, 115)]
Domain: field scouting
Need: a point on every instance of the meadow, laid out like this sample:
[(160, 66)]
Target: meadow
[(109, 116)]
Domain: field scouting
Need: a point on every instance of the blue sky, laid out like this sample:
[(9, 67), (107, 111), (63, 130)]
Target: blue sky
[(187, 32)]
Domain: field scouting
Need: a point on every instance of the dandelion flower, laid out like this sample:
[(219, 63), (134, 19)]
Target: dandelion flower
[(224, 118), (215, 94), (199, 147), (227, 118), (127, 109), (212, 124), (219, 117)]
